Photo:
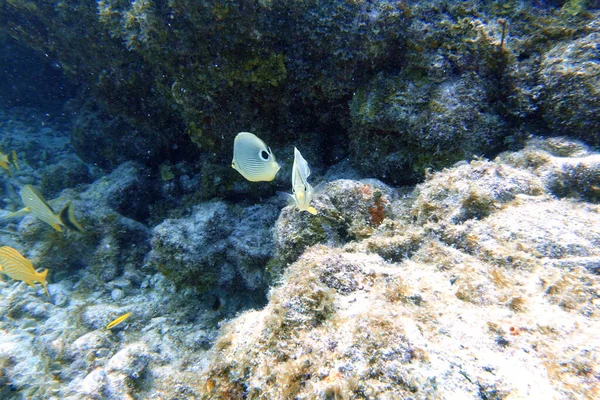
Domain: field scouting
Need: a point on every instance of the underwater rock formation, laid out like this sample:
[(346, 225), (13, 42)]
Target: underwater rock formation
[(110, 243), (429, 83), (479, 280), (347, 210), (570, 78), (495, 267), (215, 246), (401, 125), (483, 281)]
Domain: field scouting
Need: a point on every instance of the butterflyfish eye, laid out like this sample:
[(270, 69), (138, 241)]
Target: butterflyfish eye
[(264, 155)]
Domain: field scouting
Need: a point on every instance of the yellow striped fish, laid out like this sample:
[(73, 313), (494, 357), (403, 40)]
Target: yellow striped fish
[(37, 205), (118, 320), (8, 159), (13, 264)]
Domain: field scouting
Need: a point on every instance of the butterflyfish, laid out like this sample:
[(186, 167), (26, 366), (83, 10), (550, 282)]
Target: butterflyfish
[(36, 204), (13, 264), (7, 160), (302, 190), (253, 158), (118, 320)]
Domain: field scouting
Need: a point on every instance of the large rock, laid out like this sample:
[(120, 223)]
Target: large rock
[(570, 77), (215, 246)]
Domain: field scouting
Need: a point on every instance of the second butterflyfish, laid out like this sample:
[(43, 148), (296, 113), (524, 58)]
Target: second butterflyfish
[(302, 190), (37, 205), (253, 158)]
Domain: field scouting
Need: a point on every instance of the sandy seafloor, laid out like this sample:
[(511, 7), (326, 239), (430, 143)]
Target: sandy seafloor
[(481, 282)]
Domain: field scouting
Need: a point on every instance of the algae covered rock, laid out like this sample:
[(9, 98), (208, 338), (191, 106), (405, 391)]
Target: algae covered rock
[(128, 190), (192, 250), (401, 127), (571, 88), (489, 263), (215, 246), (471, 191), (251, 244), (567, 166), (347, 210)]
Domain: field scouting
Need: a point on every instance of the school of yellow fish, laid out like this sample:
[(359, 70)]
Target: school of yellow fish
[(13, 263)]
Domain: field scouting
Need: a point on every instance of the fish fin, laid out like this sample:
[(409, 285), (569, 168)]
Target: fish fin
[(16, 214), (42, 279), (67, 217), (287, 197), (302, 164), (320, 188), (311, 210), (12, 158), (56, 227)]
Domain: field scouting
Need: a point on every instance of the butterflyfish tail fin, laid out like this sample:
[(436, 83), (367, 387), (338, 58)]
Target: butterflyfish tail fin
[(12, 158), (67, 217)]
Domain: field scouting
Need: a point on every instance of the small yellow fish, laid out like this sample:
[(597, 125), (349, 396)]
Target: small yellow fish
[(253, 159), (118, 320), (37, 205), (13, 264), (302, 190), (8, 159)]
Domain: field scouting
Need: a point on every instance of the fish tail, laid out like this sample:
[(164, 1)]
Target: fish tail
[(12, 158), (67, 217), (43, 280)]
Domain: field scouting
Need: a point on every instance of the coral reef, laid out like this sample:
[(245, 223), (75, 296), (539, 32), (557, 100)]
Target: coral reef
[(493, 285), (428, 83), (480, 281), (347, 210)]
